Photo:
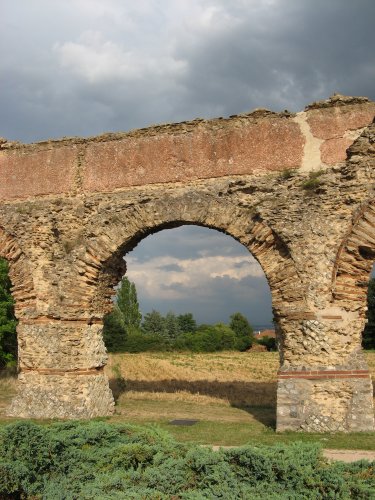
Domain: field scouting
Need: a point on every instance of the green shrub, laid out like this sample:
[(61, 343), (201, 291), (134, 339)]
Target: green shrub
[(287, 174), (89, 460), (314, 181), (269, 342), (141, 342), (8, 322), (208, 338)]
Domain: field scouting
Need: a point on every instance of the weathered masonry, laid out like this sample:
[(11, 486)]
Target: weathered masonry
[(296, 189)]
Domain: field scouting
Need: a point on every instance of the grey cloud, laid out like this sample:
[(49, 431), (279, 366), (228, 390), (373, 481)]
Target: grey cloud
[(171, 267), (186, 242), (276, 54), (250, 297), (285, 57)]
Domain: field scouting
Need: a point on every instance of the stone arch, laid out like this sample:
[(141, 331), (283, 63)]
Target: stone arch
[(352, 269), (20, 275), (354, 261), (104, 264), (68, 355)]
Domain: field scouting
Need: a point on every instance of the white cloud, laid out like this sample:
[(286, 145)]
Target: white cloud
[(169, 277), (97, 60)]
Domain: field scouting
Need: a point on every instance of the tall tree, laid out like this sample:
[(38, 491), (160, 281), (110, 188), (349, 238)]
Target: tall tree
[(172, 325), (187, 323), (128, 307), (114, 334), (368, 338), (124, 320), (8, 322), (243, 330), (153, 322)]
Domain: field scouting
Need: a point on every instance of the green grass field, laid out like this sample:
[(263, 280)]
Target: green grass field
[(231, 394)]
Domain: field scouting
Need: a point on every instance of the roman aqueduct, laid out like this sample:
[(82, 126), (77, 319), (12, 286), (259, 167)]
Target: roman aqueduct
[(296, 189)]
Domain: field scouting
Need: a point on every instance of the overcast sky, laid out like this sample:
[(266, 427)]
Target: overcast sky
[(83, 67)]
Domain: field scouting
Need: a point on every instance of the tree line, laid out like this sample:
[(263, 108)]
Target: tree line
[(125, 331)]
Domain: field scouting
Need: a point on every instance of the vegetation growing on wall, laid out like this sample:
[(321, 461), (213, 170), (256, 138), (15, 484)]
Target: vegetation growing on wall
[(313, 181)]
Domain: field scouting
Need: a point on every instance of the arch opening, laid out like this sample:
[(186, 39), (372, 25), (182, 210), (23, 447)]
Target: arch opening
[(188, 260), (197, 271)]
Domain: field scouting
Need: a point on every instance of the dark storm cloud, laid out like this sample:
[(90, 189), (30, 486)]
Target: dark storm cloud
[(84, 66), (284, 54), (187, 242), (251, 297)]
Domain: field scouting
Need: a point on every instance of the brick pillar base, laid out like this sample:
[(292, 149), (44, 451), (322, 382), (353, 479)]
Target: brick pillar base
[(73, 395), (325, 401), (61, 371)]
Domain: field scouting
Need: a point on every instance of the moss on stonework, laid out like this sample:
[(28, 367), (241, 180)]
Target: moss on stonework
[(314, 180)]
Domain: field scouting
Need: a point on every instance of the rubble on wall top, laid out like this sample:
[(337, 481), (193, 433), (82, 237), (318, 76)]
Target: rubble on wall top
[(166, 128), (5, 144), (184, 126), (337, 100)]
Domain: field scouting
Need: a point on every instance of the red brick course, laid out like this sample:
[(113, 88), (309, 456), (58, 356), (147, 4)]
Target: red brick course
[(237, 148), (32, 172), (247, 144), (324, 374)]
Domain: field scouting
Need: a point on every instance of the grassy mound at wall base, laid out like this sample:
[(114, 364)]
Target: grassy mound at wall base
[(96, 460)]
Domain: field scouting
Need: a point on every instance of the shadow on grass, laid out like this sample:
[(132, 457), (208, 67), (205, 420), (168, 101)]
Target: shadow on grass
[(256, 398)]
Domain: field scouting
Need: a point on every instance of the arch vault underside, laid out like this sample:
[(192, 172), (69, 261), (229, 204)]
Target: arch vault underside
[(283, 185)]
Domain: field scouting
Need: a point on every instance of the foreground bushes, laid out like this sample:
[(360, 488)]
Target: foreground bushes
[(90, 460)]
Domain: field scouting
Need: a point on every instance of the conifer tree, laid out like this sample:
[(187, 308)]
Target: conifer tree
[(124, 320), (128, 307), (243, 330)]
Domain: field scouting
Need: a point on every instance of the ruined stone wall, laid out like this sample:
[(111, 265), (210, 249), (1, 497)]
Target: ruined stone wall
[(283, 185), (248, 144)]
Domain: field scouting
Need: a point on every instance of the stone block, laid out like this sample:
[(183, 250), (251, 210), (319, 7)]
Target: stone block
[(62, 396)]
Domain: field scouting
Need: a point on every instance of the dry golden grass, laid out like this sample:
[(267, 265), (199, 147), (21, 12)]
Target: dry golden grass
[(370, 357), (229, 378), (222, 366), (217, 384), (8, 385)]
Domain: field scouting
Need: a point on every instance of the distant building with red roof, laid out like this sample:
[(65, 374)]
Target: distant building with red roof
[(266, 333)]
